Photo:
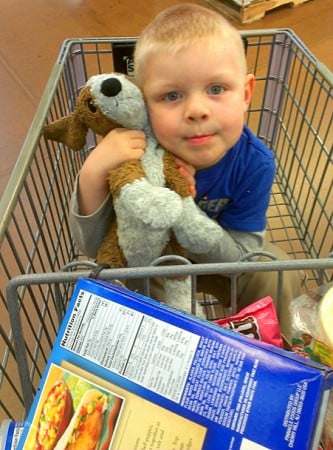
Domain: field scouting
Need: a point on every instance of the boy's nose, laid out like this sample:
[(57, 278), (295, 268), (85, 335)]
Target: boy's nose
[(195, 109)]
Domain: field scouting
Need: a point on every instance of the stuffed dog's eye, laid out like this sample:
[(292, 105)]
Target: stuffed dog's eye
[(91, 106)]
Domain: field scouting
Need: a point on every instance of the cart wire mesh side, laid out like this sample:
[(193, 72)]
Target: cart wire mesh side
[(292, 113)]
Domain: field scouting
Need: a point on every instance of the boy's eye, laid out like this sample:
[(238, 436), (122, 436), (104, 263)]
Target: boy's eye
[(215, 89), (172, 96)]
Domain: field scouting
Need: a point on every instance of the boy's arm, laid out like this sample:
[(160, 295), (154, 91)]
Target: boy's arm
[(117, 146), (91, 208), (89, 231)]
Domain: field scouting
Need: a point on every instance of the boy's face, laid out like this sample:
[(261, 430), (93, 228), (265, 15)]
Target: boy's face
[(196, 101)]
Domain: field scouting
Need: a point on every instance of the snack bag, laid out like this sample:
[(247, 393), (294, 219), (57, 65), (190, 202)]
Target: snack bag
[(257, 321)]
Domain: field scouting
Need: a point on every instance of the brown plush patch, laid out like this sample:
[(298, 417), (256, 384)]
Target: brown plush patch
[(175, 181), (68, 130), (89, 114), (127, 172), (109, 252)]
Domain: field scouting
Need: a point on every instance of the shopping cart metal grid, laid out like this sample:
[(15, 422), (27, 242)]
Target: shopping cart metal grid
[(292, 112)]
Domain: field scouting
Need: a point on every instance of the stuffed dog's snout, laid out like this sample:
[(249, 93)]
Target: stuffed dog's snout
[(111, 87)]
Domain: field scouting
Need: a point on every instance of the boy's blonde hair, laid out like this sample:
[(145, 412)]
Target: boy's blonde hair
[(179, 26)]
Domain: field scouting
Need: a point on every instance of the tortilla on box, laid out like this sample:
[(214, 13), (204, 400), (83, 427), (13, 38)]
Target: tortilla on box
[(179, 382)]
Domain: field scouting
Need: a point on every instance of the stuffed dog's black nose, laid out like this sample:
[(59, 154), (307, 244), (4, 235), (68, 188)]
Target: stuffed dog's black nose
[(111, 87)]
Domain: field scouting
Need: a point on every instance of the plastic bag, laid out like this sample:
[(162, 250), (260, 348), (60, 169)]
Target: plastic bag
[(312, 337)]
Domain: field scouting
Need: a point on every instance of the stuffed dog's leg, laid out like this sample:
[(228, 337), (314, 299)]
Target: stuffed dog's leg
[(156, 206), (110, 252), (195, 230), (178, 295)]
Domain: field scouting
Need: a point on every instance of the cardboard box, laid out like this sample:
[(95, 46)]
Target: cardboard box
[(249, 11), (178, 382)]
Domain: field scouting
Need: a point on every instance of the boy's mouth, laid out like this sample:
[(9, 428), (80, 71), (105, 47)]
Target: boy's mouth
[(200, 140)]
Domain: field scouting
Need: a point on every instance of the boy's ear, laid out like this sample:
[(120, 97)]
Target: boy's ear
[(249, 90)]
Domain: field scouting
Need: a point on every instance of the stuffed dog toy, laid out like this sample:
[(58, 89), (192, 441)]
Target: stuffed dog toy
[(155, 213)]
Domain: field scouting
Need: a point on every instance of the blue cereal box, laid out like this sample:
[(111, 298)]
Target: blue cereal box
[(128, 373)]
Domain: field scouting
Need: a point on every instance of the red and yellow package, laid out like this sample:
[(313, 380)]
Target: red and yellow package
[(257, 321)]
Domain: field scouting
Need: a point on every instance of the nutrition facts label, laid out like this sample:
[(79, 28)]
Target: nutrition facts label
[(145, 350)]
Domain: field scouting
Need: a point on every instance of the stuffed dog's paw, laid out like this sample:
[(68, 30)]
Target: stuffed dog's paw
[(156, 206), (195, 230), (178, 294)]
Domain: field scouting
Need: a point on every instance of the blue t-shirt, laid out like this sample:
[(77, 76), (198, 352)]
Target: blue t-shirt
[(236, 190)]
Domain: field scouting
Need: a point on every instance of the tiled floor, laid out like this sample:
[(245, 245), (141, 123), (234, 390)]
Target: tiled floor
[(32, 31)]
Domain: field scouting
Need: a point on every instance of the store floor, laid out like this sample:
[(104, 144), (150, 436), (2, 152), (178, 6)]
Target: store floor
[(32, 32)]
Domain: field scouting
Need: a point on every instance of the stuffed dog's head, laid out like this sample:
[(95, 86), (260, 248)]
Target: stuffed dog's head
[(107, 101)]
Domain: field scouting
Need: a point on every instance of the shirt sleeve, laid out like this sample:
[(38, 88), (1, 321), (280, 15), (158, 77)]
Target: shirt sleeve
[(89, 231)]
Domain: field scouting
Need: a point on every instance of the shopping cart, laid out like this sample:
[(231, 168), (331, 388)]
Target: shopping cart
[(292, 112)]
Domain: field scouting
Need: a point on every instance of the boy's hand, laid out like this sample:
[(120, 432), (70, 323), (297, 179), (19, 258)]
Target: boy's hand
[(116, 147), (188, 172)]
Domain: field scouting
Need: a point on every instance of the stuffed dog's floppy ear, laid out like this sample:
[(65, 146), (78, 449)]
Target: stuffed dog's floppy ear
[(68, 130)]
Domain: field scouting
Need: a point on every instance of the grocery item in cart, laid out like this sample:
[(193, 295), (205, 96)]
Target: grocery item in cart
[(325, 318), (10, 433), (311, 315), (257, 321), (310, 320), (184, 382)]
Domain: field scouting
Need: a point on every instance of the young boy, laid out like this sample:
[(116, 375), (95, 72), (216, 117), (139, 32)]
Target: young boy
[(191, 66)]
